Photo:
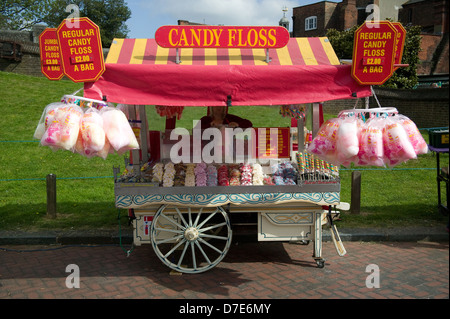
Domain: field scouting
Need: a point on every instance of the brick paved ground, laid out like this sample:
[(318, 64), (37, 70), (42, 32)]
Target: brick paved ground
[(250, 270)]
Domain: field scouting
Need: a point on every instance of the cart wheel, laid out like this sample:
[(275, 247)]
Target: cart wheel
[(191, 240), (320, 263)]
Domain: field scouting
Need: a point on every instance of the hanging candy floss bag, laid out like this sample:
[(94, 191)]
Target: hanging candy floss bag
[(62, 132), (347, 142), (118, 130), (52, 133), (92, 138), (371, 152), (69, 118), (416, 139), (47, 118), (397, 146), (324, 144)]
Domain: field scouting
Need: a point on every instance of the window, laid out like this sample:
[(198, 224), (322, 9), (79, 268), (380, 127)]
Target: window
[(311, 23)]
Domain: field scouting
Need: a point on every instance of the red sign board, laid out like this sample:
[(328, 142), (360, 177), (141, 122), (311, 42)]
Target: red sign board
[(221, 37), (401, 35), (271, 142), (374, 52), (50, 56), (81, 50)]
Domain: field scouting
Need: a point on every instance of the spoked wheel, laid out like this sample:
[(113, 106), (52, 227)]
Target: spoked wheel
[(191, 240)]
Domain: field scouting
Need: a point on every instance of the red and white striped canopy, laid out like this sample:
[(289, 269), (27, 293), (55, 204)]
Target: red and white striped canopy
[(306, 70), (299, 51)]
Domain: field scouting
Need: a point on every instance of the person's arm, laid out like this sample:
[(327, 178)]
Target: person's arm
[(242, 123)]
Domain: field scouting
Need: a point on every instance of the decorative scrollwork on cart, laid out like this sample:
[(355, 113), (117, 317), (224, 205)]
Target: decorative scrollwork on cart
[(144, 199), (214, 200), (331, 198)]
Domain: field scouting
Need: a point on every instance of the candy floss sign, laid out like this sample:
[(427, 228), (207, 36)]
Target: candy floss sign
[(50, 56), (374, 49), (221, 37), (81, 50)]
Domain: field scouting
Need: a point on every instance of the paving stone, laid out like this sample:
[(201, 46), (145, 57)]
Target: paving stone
[(268, 270)]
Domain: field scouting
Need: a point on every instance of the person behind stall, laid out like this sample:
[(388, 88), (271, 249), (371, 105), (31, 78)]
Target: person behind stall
[(219, 116)]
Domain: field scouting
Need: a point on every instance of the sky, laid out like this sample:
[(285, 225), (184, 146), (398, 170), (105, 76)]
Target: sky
[(148, 15)]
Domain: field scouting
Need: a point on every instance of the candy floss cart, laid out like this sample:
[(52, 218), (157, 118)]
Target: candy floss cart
[(187, 210), (187, 189)]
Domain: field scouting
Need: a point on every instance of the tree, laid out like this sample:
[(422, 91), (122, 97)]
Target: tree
[(22, 14), (109, 15), (342, 42), (403, 78), (406, 77)]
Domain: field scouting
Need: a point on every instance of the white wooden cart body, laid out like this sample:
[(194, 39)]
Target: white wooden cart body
[(284, 213)]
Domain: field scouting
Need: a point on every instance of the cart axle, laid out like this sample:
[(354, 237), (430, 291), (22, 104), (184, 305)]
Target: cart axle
[(191, 234)]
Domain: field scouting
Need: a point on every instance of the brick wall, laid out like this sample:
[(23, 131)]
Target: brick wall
[(30, 63), (430, 15), (301, 13), (336, 15), (349, 14), (442, 65), (426, 107)]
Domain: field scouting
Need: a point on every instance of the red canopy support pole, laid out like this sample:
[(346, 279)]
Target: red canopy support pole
[(317, 118), (144, 133), (320, 114), (301, 134), (135, 156), (171, 123)]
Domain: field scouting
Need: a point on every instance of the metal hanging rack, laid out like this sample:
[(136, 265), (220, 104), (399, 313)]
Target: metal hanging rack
[(367, 110), (73, 98)]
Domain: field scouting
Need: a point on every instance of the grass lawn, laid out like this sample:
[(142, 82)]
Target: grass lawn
[(406, 195)]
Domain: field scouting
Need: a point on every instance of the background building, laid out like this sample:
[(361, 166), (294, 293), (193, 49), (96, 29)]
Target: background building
[(433, 16), (315, 19)]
